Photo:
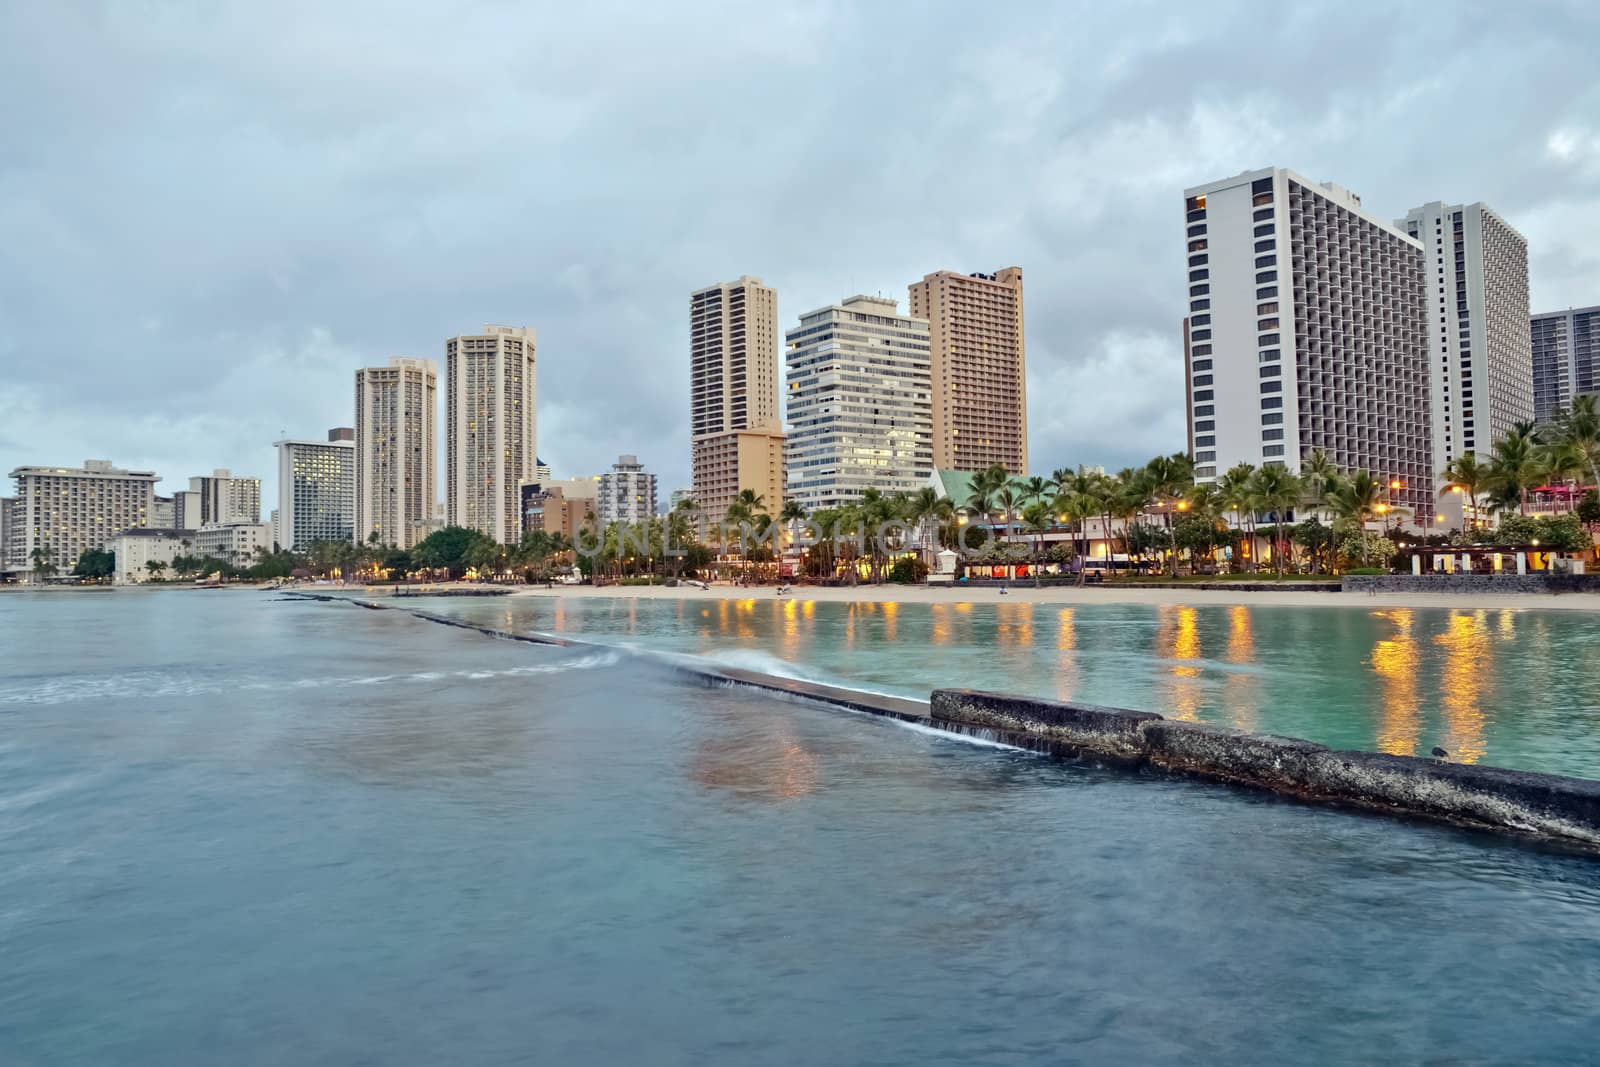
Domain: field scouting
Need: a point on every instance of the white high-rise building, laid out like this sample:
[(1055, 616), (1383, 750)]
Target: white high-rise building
[(860, 403), (65, 511), (1566, 359), (1477, 311), (627, 493), (316, 490), (1306, 331), (224, 498), (396, 443), (490, 429)]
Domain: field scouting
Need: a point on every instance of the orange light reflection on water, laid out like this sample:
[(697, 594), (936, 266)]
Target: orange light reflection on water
[(1241, 693), (1469, 663), (1067, 663), (1178, 640), (1395, 660)]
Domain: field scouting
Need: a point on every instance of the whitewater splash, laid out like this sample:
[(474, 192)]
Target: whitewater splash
[(70, 690)]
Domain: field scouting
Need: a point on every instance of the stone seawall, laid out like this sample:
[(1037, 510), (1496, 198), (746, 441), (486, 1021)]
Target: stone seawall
[(1486, 797), (1472, 583)]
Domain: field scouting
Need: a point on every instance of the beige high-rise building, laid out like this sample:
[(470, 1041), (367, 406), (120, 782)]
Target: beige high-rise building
[(980, 388), (396, 439), (63, 512), (490, 393), (734, 372)]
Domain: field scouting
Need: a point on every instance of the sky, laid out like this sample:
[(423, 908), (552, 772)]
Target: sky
[(211, 214)]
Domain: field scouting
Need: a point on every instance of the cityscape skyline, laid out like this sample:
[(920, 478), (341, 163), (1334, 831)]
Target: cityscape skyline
[(217, 328)]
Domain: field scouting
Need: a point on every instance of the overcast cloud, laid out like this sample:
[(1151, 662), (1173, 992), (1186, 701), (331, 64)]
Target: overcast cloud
[(211, 214)]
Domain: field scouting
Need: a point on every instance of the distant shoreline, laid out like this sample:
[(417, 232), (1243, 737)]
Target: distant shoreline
[(1073, 596)]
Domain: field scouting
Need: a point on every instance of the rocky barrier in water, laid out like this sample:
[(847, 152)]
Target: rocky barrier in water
[(1488, 797), (1492, 798)]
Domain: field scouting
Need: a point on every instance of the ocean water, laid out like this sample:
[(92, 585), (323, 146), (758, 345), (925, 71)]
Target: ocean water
[(245, 830), (1504, 687)]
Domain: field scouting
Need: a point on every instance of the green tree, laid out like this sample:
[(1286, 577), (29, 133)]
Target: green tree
[(95, 565), (1169, 479), (1466, 474), (1277, 489), (451, 549), (1354, 499), (43, 566), (1515, 466)]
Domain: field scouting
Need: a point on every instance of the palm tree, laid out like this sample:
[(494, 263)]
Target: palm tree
[(1035, 489), (1514, 466), (1317, 474), (1278, 489), (1009, 499), (1579, 426), (1169, 479), (155, 567), (1470, 477), (1353, 500), (1129, 495), (1236, 489), (1037, 518)]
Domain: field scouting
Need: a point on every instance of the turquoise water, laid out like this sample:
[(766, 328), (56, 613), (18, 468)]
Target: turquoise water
[(1504, 687), (242, 830)]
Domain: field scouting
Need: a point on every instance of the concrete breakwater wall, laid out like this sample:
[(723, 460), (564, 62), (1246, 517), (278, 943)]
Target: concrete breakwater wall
[(1472, 583), (1487, 797)]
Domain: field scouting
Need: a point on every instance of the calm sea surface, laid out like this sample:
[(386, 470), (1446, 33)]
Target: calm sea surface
[(1510, 688), (242, 830)]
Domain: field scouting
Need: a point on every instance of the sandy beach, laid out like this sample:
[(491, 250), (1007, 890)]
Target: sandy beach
[(1106, 594)]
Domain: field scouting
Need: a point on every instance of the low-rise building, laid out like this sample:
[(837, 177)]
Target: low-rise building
[(234, 542), (136, 549)]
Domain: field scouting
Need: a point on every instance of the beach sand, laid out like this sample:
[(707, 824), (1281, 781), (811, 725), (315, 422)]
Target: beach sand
[(1110, 593)]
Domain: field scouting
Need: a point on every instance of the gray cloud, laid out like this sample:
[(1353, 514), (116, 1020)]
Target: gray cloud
[(210, 215)]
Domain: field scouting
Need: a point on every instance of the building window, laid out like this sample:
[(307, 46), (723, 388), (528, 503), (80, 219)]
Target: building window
[(1205, 442), (1266, 276), (1200, 320), (1271, 370), (1203, 394), (1266, 261), (1200, 335), (1205, 409), (1271, 402), (1267, 324), (1200, 350), (1205, 426), (1205, 472), (1272, 418), (1199, 244), (1199, 290), (1270, 308), (1263, 214), (1199, 305), (1267, 339), (1272, 435), (1199, 275), (1197, 230), (1268, 291), (1199, 259), (1202, 364), (1272, 450), (1202, 379), (1272, 387), (1206, 457), (1265, 231)]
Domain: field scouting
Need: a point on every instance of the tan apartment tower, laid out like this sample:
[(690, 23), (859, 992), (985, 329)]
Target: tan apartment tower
[(736, 426), (980, 391), (490, 389), (396, 441)]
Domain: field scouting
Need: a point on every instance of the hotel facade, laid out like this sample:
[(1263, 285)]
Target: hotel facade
[(736, 425), (64, 512), (396, 446), (316, 490), (978, 368), (860, 409), (490, 428), (1566, 359), (1480, 355), (1306, 331)]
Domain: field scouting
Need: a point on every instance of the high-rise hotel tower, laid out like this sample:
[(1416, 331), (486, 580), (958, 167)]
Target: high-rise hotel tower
[(859, 403), (490, 389), (1306, 331), (979, 370), (736, 428), (1476, 323), (396, 438)]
